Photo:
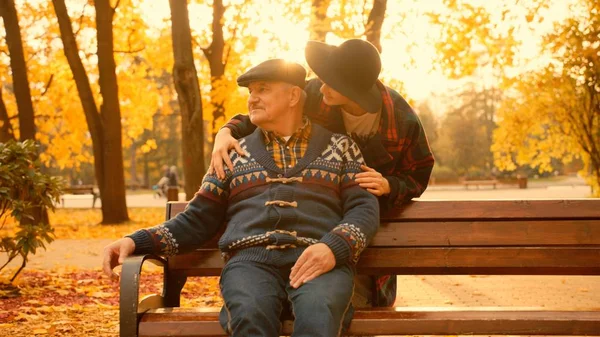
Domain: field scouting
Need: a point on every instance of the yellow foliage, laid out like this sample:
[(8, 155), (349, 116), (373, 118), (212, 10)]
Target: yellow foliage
[(540, 123), (75, 223), (472, 38)]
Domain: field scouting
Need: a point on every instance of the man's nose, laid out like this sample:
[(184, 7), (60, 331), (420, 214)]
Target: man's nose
[(252, 98)]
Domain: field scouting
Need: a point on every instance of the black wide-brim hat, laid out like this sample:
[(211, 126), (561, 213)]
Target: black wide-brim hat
[(351, 69)]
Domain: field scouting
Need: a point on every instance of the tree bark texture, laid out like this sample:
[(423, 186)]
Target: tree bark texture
[(8, 12), (374, 23), (185, 79), (319, 24), (104, 124), (6, 130), (113, 185), (215, 57)]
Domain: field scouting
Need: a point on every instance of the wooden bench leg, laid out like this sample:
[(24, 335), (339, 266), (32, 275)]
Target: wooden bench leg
[(173, 284)]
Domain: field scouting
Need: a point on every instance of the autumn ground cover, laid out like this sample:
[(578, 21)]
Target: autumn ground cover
[(72, 301)]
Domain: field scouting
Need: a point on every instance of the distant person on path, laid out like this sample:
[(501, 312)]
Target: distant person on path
[(297, 220), (348, 98), (172, 176)]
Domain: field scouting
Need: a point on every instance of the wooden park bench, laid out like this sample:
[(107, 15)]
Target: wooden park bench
[(81, 190), (478, 183), (489, 237)]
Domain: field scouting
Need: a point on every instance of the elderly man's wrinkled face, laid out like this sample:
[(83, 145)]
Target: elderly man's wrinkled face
[(268, 102)]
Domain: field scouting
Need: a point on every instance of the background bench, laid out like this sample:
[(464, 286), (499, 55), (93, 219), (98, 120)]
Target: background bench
[(81, 190), (478, 183), (528, 237)]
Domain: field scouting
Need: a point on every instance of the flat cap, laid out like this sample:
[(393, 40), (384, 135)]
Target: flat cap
[(275, 70)]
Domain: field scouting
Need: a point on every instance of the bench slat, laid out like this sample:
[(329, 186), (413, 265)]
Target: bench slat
[(479, 209), (502, 321), (496, 209), (481, 233), (441, 261), (488, 233)]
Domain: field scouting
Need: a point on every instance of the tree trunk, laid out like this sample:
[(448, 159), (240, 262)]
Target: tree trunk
[(104, 126), (319, 24), (6, 130), (8, 12), (113, 184), (135, 183), (215, 57), (146, 172), (185, 79), (374, 23)]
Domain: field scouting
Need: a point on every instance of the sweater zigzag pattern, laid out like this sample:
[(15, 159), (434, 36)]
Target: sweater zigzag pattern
[(318, 199)]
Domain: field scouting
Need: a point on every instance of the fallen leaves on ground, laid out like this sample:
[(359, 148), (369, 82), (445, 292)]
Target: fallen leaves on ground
[(81, 302), (74, 223)]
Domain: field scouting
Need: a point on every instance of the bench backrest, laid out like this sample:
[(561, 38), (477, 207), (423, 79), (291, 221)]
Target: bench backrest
[(465, 237)]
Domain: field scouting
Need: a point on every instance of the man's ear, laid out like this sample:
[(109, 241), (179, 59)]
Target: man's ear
[(295, 95)]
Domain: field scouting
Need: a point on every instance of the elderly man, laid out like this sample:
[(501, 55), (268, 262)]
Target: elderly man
[(296, 218)]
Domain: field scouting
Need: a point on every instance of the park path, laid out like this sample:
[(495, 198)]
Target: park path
[(570, 188)]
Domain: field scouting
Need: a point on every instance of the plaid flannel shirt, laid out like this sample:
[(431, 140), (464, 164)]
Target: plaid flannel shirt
[(287, 153)]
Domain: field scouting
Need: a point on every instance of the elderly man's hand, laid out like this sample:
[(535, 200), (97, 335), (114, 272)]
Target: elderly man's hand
[(314, 261), (220, 154), (114, 255)]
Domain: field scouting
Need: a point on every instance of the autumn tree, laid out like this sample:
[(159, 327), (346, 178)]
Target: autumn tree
[(36, 214), (215, 53), (104, 123), (429, 120), (8, 12), (319, 24), (472, 39), (552, 113), (463, 144), (555, 111), (375, 22), (6, 130), (188, 94)]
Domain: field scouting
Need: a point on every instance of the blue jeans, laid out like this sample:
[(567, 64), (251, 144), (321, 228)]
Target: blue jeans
[(255, 294)]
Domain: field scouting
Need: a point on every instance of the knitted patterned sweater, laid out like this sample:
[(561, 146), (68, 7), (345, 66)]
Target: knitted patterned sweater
[(272, 215)]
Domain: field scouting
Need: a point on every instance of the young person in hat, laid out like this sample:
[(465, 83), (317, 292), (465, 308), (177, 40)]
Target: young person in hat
[(297, 221), (348, 98)]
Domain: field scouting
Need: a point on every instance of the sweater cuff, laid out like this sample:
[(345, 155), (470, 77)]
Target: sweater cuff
[(387, 202), (234, 130), (339, 247), (143, 242)]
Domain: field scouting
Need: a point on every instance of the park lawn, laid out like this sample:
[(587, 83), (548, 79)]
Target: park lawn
[(76, 302), (82, 223)]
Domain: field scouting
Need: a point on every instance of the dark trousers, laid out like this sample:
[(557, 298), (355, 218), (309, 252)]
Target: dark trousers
[(255, 294)]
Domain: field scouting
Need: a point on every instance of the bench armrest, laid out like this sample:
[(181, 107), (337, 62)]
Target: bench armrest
[(130, 288)]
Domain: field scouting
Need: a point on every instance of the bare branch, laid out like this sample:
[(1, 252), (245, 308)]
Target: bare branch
[(234, 34), (48, 84), (130, 51), (80, 23)]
